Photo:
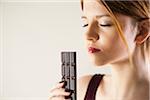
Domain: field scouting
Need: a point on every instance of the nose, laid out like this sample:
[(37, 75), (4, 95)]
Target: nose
[(92, 33)]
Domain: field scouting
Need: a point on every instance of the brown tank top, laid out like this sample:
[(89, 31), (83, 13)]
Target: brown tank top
[(92, 87)]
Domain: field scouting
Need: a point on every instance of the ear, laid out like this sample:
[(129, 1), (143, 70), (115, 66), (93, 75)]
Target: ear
[(144, 31)]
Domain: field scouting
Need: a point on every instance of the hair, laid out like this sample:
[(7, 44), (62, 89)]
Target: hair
[(138, 10)]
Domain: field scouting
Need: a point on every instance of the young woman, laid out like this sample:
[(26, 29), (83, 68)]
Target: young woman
[(117, 34)]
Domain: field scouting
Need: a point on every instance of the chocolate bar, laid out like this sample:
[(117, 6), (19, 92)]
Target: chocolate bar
[(68, 71)]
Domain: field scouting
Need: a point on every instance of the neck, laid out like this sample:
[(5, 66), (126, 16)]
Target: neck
[(123, 74), (125, 77)]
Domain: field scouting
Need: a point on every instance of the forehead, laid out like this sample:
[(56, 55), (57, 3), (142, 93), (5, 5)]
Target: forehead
[(93, 7)]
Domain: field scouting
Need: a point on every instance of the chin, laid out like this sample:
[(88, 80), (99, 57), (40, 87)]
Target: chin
[(99, 62)]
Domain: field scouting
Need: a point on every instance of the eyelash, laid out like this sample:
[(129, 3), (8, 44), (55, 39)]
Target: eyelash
[(85, 25), (103, 25)]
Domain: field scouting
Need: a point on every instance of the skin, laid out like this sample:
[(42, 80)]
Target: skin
[(126, 82)]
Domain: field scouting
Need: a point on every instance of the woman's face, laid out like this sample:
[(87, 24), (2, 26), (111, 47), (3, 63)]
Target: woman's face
[(104, 44)]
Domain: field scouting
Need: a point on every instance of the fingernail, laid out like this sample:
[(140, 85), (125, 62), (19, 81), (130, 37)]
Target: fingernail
[(61, 81), (65, 83), (67, 97), (67, 90)]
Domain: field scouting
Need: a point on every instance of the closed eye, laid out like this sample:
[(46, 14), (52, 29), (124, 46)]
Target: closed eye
[(85, 25), (105, 25)]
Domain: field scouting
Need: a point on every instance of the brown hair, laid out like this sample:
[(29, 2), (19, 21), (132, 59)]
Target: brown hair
[(137, 9)]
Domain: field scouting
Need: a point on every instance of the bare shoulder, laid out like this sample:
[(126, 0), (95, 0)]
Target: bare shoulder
[(107, 77), (82, 85), (83, 80)]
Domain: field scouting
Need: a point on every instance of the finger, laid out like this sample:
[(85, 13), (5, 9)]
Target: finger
[(60, 92), (57, 86), (57, 98)]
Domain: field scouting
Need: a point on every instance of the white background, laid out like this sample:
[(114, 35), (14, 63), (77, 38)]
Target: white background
[(32, 35)]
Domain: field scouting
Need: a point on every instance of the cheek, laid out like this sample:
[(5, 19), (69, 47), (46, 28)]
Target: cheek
[(113, 45), (109, 39), (130, 35)]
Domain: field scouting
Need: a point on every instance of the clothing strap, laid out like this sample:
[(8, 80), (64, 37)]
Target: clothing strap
[(92, 87)]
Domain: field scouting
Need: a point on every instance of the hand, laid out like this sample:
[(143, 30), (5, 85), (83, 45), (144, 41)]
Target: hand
[(59, 92)]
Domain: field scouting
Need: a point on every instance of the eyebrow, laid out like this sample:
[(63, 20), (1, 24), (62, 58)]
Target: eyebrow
[(98, 16)]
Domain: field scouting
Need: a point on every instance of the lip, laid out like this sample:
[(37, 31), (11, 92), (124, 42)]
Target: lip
[(93, 50)]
